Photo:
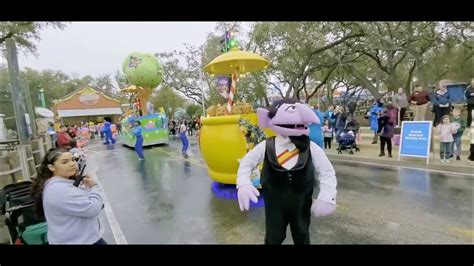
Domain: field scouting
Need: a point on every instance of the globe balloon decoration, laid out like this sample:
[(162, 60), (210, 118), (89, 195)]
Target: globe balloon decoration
[(145, 72)]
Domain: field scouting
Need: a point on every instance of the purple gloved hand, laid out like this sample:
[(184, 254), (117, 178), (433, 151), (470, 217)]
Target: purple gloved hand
[(245, 194), (321, 208)]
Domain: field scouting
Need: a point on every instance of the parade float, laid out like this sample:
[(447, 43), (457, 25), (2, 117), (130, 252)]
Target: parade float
[(144, 72), (230, 131)]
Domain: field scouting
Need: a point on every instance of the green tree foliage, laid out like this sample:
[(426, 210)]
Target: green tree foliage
[(298, 52), (25, 33), (55, 84), (104, 83), (167, 98), (193, 109)]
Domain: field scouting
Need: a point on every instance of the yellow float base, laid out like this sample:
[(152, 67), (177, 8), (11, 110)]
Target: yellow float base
[(222, 144)]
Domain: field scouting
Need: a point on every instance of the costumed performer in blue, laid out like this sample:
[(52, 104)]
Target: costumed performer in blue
[(297, 178), (108, 131), (137, 133), (374, 114), (315, 129), (184, 139)]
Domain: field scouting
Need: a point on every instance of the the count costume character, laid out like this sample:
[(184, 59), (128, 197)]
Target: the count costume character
[(297, 178)]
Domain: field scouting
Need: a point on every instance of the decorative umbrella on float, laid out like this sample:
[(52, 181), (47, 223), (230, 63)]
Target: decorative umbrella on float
[(221, 140), (235, 63)]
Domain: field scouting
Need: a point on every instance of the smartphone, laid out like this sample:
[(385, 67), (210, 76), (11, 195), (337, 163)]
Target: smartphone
[(79, 177)]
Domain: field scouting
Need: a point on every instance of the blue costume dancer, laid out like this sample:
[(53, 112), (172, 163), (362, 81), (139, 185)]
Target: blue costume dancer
[(184, 139), (137, 132), (374, 111), (108, 131)]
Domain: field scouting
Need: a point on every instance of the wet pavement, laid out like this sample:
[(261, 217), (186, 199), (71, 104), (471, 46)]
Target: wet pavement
[(167, 199)]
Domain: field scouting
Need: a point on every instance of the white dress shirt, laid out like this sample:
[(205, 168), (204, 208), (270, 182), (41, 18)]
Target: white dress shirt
[(324, 169)]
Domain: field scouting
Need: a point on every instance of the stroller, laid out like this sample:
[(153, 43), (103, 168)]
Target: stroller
[(24, 225), (347, 138)]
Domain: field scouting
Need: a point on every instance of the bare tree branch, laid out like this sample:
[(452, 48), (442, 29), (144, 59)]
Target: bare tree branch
[(276, 87), (399, 60), (323, 82), (8, 35)]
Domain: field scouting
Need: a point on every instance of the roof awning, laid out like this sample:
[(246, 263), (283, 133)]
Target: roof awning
[(89, 112)]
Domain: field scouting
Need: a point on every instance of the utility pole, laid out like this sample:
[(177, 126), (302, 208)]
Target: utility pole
[(23, 121), (18, 95)]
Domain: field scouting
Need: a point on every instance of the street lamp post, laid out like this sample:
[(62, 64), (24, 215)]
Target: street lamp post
[(41, 97)]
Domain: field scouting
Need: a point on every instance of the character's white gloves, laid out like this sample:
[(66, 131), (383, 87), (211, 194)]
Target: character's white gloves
[(321, 208), (245, 194)]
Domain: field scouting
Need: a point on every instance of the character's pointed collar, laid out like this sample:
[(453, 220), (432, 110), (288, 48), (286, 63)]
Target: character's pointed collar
[(283, 140)]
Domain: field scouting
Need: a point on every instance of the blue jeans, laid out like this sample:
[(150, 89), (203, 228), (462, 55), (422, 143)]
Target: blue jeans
[(445, 149), (185, 141), (139, 147), (338, 132), (457, 143)]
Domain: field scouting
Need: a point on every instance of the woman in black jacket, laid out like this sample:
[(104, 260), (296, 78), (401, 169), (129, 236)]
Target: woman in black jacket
[(470, 101), (340, 117)]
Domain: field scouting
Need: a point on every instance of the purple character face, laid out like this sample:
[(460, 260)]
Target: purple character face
[(289, 120)]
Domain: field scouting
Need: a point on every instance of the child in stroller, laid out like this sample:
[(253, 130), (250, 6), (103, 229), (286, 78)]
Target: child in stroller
[(347, 138), (17, 206)]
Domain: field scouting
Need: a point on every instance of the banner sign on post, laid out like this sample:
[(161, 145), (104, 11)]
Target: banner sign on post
[(223, 86), (415, 139)]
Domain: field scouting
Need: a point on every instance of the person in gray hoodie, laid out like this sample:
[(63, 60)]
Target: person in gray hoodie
[(400, 101), (72, 213)]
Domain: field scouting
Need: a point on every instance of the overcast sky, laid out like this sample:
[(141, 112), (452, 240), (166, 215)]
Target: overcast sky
[(96, 48)]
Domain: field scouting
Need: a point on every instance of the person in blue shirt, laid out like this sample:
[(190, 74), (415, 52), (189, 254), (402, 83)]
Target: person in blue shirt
[(315, 130), (441, 102), (137, 132), (328, 115), (51, 132)]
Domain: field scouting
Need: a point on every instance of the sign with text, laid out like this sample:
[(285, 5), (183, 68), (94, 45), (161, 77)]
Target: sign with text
[(89, 97), (223, 86), (415, 139)]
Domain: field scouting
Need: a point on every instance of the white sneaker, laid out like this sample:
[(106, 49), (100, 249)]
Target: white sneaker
[(447, 161), (442, 160)]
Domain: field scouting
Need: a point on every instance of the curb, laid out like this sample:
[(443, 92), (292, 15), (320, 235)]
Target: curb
[(420, 163)]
